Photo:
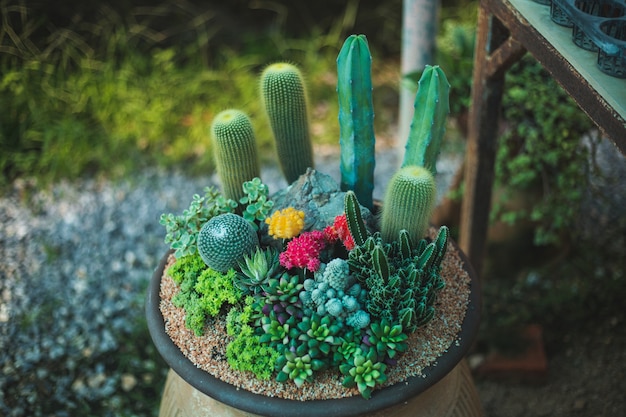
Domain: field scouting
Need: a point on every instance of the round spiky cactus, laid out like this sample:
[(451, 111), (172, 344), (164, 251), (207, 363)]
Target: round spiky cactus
[(224, 240), (408, 203), (284, 97), (236, 156)]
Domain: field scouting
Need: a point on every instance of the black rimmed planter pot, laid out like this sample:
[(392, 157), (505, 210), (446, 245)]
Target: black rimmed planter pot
[(447, 386)]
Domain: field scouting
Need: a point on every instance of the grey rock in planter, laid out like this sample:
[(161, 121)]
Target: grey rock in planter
[(318, 195)]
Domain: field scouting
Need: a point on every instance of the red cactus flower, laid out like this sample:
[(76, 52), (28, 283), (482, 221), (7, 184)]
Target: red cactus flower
[(339, 230)]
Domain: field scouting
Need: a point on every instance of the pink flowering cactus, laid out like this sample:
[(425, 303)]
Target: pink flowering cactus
[(304, 251)]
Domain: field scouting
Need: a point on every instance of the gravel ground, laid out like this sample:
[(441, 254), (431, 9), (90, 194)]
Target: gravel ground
[(75, 263)]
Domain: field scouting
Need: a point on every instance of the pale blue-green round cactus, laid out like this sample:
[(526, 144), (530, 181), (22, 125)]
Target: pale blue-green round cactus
[(334, 307), (359, 319), (350, 303), (337, 273), (224, 240), (334, 292)]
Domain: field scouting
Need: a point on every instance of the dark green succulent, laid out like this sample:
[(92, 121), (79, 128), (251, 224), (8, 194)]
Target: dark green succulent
[(277, 333), (387, 339), (363, 370), (283, 289), (347, 344), (318, 335), (297, 368)]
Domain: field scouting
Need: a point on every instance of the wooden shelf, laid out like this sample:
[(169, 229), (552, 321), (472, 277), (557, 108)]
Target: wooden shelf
[(506, 30), (609, 89)]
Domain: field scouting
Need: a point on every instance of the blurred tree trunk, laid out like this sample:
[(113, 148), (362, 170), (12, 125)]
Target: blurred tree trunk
[(419, 30)]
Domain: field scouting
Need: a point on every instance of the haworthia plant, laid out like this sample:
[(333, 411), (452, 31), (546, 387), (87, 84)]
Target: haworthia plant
[(356, 118), (429, 120), (236, 156), (408, 203), (283, 93)]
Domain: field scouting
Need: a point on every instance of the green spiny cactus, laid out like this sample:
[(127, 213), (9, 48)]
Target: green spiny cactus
[(408, 203), (224, 240), (402, 278), (284, 96), (236, 156), (356, 226), (429, 119), (356, 118)]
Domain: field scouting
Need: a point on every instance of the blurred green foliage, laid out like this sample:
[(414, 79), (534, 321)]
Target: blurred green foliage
[(113, 92), (541, 154)]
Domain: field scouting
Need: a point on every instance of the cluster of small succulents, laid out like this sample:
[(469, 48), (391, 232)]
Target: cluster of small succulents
[(299, 301)]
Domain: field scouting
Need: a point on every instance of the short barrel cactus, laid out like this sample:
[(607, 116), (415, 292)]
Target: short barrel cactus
[(224, 240)]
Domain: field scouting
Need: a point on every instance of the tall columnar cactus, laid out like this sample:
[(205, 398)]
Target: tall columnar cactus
[(356, 118), (236, 156), (408, 203), (429, 120), (284, 96)]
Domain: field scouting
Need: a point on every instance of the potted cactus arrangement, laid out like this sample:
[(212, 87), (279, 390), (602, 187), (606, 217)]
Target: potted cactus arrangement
[(315, 299)]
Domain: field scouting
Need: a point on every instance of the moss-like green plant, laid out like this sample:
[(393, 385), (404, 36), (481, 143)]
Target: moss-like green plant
[(356, 118), (186, 268), (429, 119), (203, 291), (185, 272), (236, 156), (408, 203), (246, 352), (283, 93), (215, 289), (225, 239)]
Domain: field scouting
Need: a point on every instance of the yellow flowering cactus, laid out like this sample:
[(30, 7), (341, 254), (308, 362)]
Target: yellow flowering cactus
[(286, 223)]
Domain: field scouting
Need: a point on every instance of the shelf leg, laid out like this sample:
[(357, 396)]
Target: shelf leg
[(495, 52)]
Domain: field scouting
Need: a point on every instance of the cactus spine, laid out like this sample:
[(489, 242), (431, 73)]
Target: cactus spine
[(356, 118), (408, 203), (236, 157), (429, 120), (284, 96)]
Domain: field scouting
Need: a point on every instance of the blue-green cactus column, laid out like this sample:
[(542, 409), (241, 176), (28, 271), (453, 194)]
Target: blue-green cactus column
[(356, 118), (429, 121)]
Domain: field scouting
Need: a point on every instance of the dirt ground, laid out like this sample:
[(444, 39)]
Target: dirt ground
[(586, 376)]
